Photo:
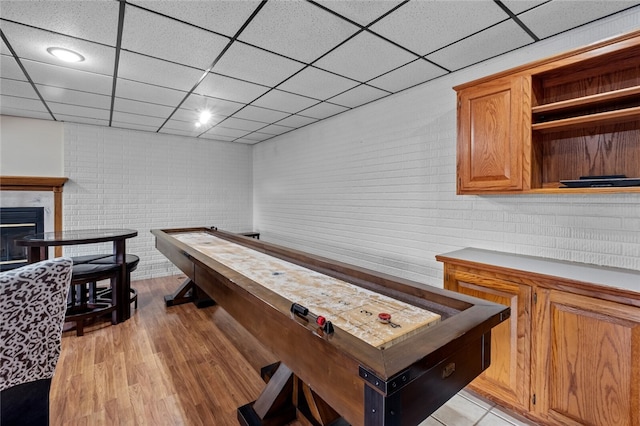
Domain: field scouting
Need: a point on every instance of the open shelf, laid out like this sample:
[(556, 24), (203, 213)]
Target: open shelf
[(603, 118), (558, 188), (600, 99)]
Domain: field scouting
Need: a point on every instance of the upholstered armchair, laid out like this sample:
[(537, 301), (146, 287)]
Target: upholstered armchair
[(33, 302)]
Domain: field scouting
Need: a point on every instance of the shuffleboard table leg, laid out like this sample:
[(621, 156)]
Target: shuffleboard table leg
[(285, 399), (189, 292), (274, 405), (314, 409)]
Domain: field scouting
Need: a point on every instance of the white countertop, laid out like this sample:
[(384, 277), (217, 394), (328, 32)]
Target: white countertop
[(624, 279)]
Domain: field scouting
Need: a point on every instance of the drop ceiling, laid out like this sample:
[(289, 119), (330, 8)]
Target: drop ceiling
[(262, 68)]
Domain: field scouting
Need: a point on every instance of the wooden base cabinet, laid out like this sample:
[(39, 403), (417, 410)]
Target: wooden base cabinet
[(588, 360), (570, 353), (508, 376)]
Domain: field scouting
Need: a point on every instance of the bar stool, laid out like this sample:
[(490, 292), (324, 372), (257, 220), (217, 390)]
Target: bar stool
[(80, 305), (86, 299)]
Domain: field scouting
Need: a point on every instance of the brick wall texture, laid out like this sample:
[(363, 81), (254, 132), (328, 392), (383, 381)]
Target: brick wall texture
[(374, 186), (143, 181)]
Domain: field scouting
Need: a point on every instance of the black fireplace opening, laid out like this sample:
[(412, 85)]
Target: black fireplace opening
[(16, 222)]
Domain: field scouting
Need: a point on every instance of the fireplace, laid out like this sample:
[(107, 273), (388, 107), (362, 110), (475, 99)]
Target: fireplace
[(16, 222)]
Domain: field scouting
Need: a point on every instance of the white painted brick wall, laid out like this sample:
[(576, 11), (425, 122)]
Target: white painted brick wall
[(376, 186), (129, 179)]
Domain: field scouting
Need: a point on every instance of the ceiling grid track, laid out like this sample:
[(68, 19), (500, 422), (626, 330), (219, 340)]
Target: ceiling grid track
[(277, 65), (117, 59)]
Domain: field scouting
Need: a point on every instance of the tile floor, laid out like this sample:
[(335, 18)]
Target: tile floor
[(466, 409)]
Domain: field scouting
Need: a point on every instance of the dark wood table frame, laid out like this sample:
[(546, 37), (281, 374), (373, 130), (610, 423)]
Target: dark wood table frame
[(38, 245), (339, 373), (190, 292)]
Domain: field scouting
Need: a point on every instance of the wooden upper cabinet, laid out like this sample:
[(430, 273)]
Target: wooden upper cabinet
[(538, 127), (492, 128)]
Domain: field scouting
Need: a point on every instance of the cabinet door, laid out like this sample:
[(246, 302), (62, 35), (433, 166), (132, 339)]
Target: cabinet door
[(588, 360), (494, 136), (508, 377)]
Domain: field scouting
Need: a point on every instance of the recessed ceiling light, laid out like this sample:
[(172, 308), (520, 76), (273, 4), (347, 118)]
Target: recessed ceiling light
[(65, 54), (205, 116)]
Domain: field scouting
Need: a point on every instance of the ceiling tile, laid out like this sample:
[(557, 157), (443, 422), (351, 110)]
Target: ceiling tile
[(408, 75), (18, 88), (170, 131), (53, 75), (133, 119), (218, 107), (187, 127), (170, 40), (519, 6), (155, 71), (275, 129), (31, 43), (364, 57), (295, 121), (358, 96), (256, 65), (133, 126), (74, 97), (263, 115), (89, 20), (222, 16), (27, 113), (240, 124), (557, 16), (4, 50), (317, 84), (323, 110), (22, 104), (297, 29), (255, 137), (407, 25), (246, 140), (499, 39), (83, 120), (190, 117), (143, 108), (218, 86), (294, 63), (220, 130), (284, 101), (129, 89), (218, 138), (9, 68), (183, 128), (78, 111), (362, 12)]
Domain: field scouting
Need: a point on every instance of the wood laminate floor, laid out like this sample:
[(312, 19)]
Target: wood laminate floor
[(183, 366), (165, 366)]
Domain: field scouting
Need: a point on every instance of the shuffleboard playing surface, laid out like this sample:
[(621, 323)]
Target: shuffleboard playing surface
[(349, 307)]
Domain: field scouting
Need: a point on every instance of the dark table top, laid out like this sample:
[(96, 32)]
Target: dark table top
[(81, 236)]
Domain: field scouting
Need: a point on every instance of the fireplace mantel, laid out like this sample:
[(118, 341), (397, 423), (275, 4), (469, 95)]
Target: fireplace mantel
[(39, 183), (32, 183)]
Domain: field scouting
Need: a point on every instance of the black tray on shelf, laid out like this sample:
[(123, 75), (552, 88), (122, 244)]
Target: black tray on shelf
[(601, 182)]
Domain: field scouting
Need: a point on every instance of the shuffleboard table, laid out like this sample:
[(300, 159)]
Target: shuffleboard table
[(355, 346)]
